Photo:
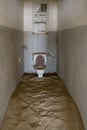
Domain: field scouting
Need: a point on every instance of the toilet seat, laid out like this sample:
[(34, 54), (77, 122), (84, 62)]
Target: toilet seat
[(40, 67), (40, 61)]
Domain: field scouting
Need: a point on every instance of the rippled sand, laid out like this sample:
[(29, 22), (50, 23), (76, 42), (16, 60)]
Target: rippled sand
[(41, 104)]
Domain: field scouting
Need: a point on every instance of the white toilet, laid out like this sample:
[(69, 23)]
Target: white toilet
[(40, 60)]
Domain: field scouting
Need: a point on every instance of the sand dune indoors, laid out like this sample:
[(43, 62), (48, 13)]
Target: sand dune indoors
[(41, 104)]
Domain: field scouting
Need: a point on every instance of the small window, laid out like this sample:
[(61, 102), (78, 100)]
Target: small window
[(43, 7)]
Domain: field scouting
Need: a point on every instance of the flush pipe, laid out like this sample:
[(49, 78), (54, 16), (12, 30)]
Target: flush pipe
[(51, 55)]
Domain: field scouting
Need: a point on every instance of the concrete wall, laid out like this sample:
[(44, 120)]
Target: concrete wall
[(40, 43), (72, 50), (11, 13), (11, 51)]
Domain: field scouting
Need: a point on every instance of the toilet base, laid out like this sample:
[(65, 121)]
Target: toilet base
[(40, 73)]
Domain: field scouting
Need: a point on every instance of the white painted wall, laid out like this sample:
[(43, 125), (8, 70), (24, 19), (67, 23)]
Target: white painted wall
[(40, 43), (52, 15), (44, 43), (72, 50)]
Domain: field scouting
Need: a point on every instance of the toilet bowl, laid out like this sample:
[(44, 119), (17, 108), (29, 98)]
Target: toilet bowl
[(40, 60)]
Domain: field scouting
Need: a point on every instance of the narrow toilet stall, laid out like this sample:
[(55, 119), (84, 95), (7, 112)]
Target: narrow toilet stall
[(39, 40)]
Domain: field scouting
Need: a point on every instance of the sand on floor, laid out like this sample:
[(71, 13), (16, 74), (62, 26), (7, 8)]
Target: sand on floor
[(41, 104)]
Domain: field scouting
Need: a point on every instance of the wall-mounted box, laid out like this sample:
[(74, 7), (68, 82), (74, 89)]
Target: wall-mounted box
[(40, 17)]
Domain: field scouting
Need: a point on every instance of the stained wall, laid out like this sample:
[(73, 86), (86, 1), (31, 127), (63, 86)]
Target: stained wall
[(72, 50), (11, 51)]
